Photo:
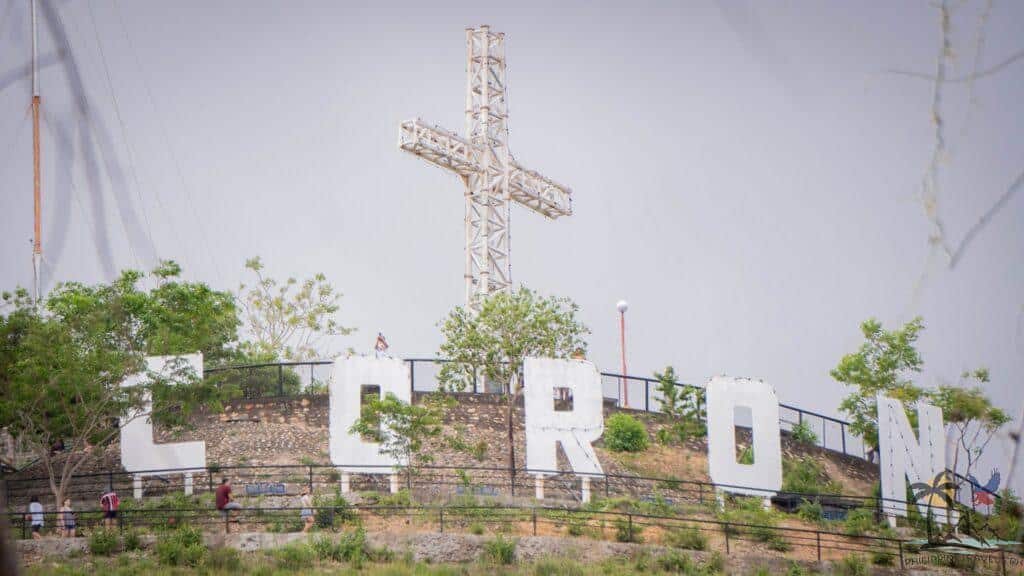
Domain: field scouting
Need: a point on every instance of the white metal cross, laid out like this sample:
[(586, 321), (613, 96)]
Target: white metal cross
[(491, 175)]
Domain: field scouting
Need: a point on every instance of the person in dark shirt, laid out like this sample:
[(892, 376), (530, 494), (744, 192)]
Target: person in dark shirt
[(224, 502)]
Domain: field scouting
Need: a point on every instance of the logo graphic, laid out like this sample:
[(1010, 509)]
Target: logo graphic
[(985, 494)]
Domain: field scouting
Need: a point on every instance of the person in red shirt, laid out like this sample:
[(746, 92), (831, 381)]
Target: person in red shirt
[(224, 502), (109, 502)]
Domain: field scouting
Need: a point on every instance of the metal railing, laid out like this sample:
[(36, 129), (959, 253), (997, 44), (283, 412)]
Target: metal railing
[(677, 531), (428, 483), (311, 377)]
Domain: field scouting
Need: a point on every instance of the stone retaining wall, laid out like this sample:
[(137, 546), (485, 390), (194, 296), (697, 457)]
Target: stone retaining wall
[(437, 548), (294, 431)]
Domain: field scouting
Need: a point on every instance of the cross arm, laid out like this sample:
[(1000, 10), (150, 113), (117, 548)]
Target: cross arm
[(539, 193), (453, 152), (437, 146)]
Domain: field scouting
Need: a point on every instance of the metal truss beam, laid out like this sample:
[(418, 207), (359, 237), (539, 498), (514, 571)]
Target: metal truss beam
[(493, 179)]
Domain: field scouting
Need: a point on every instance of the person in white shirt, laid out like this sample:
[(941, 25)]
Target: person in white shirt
[(35, 518), (67, 519), (307, 510)]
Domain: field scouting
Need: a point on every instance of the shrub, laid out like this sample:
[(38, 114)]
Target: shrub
[(183, 547), (795, 569), (852, 565), (224, 559), (806, 476), (476, 528), (500, 550), (331, 511), (293, 524), (656, 505), (103, 542), (1005, 519), (174, 507), (400, 498), (132, 540), (810, 511), (351, 547), (859, 522), (687, 537), (623, 433), (560, 567), (778, 543), (750, 511), (323, 547), (715, 564), (626, 531), (665, 436), (673, 561), (480, 451), (802, 433), (882, 559), (746, 456), (576, 527), (294, 557)]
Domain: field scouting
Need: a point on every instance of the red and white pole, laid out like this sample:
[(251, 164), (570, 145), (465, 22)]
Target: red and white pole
[(37, 242)]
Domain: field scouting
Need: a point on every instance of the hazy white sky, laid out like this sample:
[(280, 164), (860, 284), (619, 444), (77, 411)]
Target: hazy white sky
[(747, 174)]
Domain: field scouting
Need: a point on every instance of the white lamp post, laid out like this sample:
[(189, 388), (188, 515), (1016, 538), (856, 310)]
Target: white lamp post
[(622, 306)]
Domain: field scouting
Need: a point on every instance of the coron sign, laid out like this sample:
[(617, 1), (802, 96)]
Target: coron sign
[(725, 398), (139, 453), (563, 405)]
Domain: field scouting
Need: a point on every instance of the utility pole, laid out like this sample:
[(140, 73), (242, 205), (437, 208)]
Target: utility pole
[(37, 243)]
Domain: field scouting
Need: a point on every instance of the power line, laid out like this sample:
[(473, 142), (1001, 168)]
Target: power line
[(124, 135), (15, 142), (170, 149), (47, 121), (84, 108)]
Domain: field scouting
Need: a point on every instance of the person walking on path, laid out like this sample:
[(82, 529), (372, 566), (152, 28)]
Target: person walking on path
[(109, 503), (35, 518), (307, 510), (224, 502), (67, 519)]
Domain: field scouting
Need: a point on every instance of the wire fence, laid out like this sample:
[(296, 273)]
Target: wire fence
[(675, 531), (627, 392), (434, 484)]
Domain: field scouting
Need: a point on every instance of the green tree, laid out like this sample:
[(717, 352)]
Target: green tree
[(62, 362), (174, 317), (288, 320), (402, 428), (885, 362), (683, 406), (971, 419), (493, 343)]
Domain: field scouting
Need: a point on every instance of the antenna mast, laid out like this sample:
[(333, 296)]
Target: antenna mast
[(37, 244)]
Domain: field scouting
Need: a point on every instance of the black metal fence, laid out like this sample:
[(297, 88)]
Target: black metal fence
[(629, 392), (435, 484), (676, 531)]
